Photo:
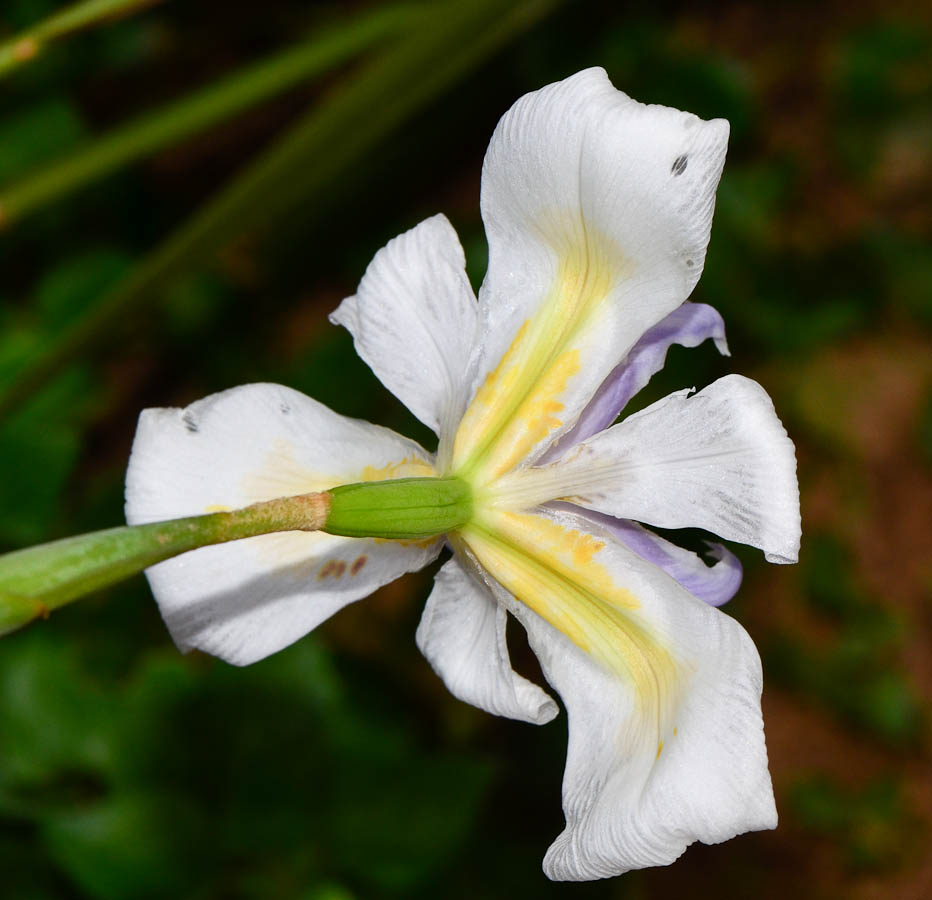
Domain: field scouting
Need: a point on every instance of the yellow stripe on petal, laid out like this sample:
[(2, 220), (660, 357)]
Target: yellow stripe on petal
[(555, 571), (521, 402), (409, 467)]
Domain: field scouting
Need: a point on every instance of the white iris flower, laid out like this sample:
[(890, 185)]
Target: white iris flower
[(597, 211)]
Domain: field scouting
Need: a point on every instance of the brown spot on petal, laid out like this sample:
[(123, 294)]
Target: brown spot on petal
[(333, 567), (357, 565)]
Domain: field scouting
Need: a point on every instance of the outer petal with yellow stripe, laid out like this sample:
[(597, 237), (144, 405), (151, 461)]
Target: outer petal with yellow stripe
[(597, 211), (666, 743)]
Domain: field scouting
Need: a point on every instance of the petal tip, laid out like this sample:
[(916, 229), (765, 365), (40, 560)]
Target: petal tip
[(344, 313), (546, 712)]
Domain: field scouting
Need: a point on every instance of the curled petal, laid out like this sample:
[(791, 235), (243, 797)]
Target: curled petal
[(662, 692), (688, 325), (597, 210), (246, 599), (715, 584), (413, 320), (462, 634)]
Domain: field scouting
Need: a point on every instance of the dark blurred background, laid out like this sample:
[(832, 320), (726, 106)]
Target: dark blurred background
[(152, 254)]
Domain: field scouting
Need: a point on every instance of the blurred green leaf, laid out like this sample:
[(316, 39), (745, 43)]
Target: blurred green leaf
[(26, 46), (38, 450), (56, 726), (871, 823), (853, 675), (881, 78), (925, 429), (129, 846), (42, 444), (328, 892), (883, 66), (851, 679), (905, 263), (154, 785), (650, 65), (199, 110), (65, 293), (827, 574), (394, 826), (36, 135), (451, 39)]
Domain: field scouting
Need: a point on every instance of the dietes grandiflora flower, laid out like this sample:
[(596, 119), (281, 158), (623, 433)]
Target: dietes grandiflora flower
[(597, 211)]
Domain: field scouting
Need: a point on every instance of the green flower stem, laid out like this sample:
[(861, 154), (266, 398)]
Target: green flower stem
[(164, 127), (400, 509), (29, 44), (37, 580), (450, 39)]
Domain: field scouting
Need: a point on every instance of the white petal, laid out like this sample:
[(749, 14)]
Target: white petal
[(719, 460), (413, 320), (648, 771), (462, 634), (597, 210), (246, 599)]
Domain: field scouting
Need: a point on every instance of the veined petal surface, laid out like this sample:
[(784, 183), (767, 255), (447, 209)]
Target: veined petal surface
[(597, 211), (719, 460), (462, 634), (688, 325), (249, 598), (413, 321), (666, 742)]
